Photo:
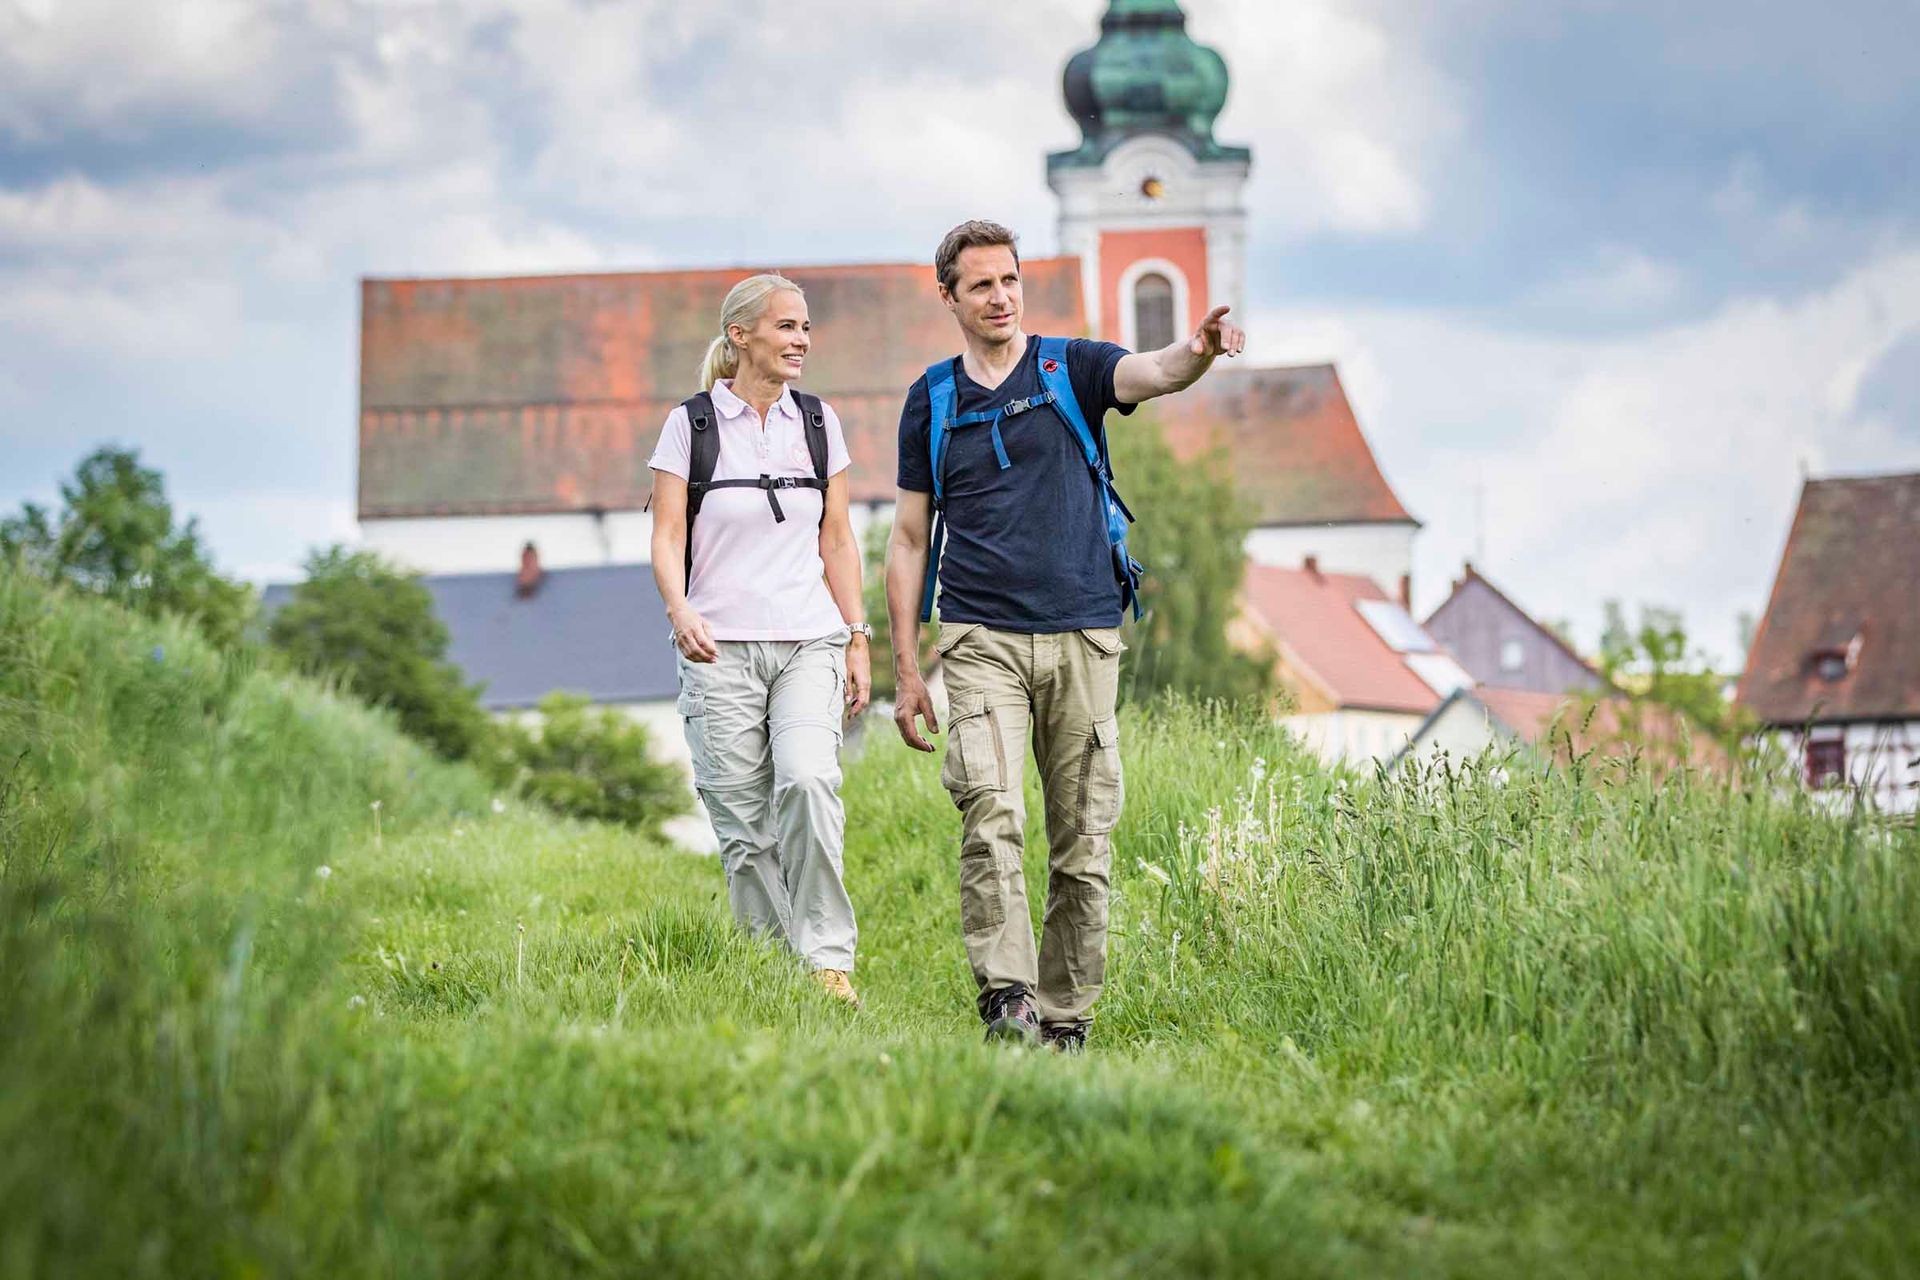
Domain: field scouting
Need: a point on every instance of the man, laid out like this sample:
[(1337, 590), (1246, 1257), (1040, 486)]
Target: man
[(1030, 611)]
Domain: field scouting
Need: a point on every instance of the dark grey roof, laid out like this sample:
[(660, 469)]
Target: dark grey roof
[(599, 631)]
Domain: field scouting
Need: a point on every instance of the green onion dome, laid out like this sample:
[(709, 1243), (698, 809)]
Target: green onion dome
[(1145, 75)]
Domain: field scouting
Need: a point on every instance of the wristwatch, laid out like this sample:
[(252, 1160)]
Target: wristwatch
[(861, 629)]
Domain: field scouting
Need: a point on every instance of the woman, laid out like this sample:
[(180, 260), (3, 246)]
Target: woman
[(772, 649)]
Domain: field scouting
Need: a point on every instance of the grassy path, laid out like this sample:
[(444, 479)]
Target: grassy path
[(1545, 1024)]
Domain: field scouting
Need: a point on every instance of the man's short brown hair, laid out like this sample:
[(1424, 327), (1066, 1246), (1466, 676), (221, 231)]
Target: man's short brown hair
[(975, 233)]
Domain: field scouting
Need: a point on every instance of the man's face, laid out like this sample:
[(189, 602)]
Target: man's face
[(986, 296)]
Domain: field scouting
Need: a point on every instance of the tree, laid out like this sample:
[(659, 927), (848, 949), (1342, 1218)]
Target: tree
[(115, 537), (591, 764), (1656, 662), (374, 626), (1191, 538)]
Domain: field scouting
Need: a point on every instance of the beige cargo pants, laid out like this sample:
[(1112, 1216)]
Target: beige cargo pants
[(1004, 688), (764, 727)]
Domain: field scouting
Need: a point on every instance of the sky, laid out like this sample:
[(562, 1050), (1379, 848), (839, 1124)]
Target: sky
[(1603, 278)]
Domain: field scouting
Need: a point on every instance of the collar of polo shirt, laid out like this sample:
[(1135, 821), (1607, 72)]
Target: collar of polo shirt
[(729, 405)]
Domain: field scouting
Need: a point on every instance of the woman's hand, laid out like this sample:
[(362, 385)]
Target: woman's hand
[(691, 637), (859, 676)]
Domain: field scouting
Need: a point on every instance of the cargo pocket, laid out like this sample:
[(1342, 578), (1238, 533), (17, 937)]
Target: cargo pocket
[(1100, 787), (1105, 639), (983, 904), (975, 762), (951, 634), (692, 706)]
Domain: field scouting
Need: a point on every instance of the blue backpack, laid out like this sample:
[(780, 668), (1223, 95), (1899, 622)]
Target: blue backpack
[(1056, 390)]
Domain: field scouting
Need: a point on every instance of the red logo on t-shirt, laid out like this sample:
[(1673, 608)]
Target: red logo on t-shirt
[(1051, 366)]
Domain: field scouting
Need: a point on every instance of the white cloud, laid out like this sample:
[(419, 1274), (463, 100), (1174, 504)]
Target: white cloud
[(1661, 467)]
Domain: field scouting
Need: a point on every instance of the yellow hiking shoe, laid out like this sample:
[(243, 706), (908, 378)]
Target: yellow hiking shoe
[(836, 984)]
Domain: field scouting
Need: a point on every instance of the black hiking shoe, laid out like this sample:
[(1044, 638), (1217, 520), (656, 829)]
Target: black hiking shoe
[(1065, 1037), (1010, 1015)]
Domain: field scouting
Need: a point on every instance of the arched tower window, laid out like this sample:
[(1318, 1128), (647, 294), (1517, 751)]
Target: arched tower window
[(1153, 326)]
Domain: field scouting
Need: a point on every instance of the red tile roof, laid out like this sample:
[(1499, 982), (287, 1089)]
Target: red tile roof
[(1851, 570), (1312, 621), (544, 394), (1296, 445)]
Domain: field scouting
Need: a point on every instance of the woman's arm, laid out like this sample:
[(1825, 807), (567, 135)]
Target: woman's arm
[(840, 553), (670, 567)]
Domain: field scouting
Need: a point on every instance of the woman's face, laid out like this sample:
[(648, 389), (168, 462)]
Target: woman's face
[(777, 343)]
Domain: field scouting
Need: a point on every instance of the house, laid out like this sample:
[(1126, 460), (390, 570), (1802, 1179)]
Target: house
[(1834, 669), (1502, 646), (1559, 727), (1362, 673), (500, 411)]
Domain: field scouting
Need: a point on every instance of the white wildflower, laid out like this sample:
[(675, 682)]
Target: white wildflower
[(357, 1002), (323, 871), (375, 806), (499, 805)]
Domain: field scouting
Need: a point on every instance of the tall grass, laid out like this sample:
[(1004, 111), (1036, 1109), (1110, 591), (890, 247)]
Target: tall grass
[(1481, 1020)]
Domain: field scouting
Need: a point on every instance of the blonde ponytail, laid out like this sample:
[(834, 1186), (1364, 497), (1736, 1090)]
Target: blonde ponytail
[(745, 303)]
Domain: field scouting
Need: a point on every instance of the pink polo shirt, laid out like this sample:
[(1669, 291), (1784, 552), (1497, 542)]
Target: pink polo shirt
[(755, 578)]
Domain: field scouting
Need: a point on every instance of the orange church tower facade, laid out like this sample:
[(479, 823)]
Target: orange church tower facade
[(1152, 206)]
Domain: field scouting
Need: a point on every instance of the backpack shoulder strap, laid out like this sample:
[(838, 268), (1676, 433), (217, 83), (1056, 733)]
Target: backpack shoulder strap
[(1055, 378), (703, 455), (813, 420), (941, 395)]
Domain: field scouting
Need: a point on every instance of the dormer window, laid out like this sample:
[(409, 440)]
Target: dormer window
[(1835, 662)]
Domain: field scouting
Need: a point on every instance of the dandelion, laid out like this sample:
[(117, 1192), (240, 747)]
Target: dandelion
[(499, 805), (323, 871)]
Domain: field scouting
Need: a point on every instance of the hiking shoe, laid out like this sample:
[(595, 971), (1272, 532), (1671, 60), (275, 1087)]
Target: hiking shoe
[(1065, 1037), (837, 985), (1010, 1015)]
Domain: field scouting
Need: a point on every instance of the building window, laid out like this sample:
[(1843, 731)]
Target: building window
[(1827, 762), (1152, 312), (1513, 655)]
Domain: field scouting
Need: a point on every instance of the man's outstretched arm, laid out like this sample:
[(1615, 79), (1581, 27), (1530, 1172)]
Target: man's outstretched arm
[(1146, 374), (907, 553)]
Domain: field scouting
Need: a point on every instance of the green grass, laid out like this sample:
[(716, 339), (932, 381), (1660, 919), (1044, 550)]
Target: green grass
[(1557, 1024)]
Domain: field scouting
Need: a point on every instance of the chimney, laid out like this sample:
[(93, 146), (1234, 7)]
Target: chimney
[(531, 574), (1406, 592), (1312, 565)]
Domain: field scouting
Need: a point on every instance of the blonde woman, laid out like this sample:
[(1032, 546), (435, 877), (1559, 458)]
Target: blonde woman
[(756, 560)]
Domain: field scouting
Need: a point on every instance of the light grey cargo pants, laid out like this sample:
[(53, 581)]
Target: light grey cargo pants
[(764, 727)]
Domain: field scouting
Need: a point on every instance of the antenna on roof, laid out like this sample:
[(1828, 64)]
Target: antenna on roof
[(1480, 519)]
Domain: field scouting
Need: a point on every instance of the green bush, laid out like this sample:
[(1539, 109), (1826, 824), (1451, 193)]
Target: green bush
[(373, 625), (588, 763)]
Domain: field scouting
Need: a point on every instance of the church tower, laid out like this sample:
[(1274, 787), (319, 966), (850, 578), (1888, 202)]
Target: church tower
[(1151, 205)]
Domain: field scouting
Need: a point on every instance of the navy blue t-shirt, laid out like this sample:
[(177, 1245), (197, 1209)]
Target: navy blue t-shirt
[(1027, 546)]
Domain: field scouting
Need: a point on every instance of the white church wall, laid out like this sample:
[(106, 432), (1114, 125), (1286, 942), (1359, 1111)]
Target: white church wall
[(491, 544), (1383, 552)]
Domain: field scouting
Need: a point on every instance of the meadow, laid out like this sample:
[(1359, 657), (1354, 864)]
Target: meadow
[(281, 995)]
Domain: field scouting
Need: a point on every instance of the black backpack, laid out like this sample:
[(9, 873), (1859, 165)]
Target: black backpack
[(705, 455)]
